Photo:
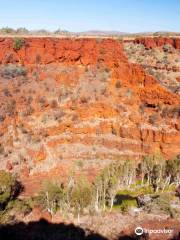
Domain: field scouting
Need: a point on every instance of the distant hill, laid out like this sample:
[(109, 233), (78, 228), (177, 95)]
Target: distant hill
[(102, 33), (95, 33)]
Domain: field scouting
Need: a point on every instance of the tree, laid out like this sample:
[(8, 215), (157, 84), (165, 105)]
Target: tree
[(102, 188), (177, 193), (80, 196), (147, 165), (96, 193), (112, 190), (126, 173), (106, 185), (113, 183), (151, 169), (157, 173), (52, 196), (156, 177), (172, 172)]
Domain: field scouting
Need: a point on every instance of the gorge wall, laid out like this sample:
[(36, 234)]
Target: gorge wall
[(79, 104), (151, 42)]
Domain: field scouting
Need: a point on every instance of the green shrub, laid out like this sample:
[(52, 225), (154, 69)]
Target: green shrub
[(19, 206), (136, 190), (9, 188), (125, 199), (127, 204), (18, 43), (6, 218), (166, 48)]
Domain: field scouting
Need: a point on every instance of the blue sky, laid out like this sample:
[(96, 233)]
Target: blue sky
[(81, 15)]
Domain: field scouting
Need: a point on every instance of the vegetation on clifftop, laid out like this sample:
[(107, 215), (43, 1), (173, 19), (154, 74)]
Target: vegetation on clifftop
[(18, 43)]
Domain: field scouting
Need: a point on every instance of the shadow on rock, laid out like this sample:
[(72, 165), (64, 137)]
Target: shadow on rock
[(43, 230)]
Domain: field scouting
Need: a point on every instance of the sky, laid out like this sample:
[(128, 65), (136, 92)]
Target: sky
[(82, 15)]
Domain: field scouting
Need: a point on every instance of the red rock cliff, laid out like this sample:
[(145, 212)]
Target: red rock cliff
[(152, 42), (81, 100)]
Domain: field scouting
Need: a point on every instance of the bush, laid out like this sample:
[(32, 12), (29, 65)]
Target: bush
[(7, 92), (58, 115), (127, 204), (54, 103), (12, 71), (7, 30), (42, 101), (29, 111), (118, 84), (1, 149), (22, 31), (167, 48), (6, 218), (129, 93), (19, 206), (11, 107), (9, 188), (153, 118), (18, 43), (136, 190), (2, 118), (159, 204)]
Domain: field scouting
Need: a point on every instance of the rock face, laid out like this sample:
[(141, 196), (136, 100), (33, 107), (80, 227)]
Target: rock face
[(150, 42), (67, 51), (79, 104), (162, 61)]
